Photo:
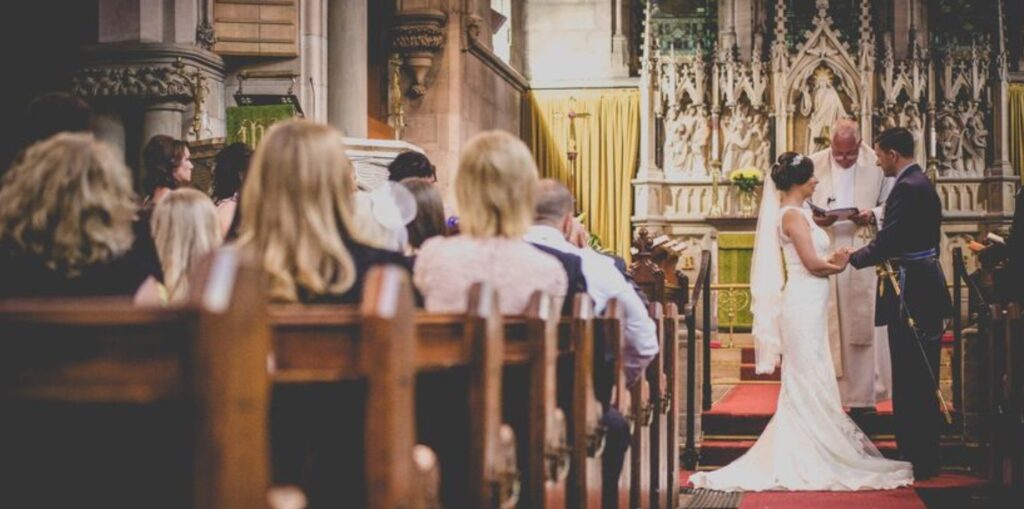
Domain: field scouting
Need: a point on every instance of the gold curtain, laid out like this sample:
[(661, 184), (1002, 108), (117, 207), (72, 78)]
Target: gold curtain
[(1017, 127), (605, 126)]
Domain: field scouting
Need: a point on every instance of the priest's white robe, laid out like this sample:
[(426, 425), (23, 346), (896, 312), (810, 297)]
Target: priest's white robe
[(860, 352)]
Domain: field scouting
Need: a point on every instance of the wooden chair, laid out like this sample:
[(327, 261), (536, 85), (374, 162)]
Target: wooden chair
[(373, 349), (94, 389)]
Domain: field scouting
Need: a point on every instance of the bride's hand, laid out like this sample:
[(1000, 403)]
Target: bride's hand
[(840, 258)]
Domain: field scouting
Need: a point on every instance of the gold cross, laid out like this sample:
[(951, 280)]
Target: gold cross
[(572, 152)]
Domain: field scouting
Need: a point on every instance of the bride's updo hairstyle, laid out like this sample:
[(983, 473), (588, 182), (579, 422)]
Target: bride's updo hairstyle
[(791, 169)]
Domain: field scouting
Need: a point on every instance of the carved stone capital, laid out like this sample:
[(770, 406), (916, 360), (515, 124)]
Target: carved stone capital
[(418, 36), (145, 82)]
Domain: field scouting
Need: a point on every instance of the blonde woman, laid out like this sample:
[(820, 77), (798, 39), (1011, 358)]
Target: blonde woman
[(494, 194), (298, 220), (66, 214), (185, 227)]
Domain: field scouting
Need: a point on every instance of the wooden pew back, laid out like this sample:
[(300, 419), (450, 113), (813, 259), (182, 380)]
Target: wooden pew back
[(202, 367)]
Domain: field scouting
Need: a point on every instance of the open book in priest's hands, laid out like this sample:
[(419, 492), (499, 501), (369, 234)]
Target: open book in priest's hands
[(841, 214)]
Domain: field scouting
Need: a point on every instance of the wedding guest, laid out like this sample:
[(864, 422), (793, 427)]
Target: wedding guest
[(297, 216), (168, 166), (228, 173), (411, 164), (185, 228), (66, 215), (553, 225), (429, 221), (46, 116), (494, 192)]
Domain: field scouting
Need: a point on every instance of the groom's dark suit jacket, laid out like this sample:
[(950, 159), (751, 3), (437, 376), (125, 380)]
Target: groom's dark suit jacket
[(912, 223)]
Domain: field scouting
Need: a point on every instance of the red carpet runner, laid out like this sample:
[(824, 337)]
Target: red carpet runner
[(735, 421)]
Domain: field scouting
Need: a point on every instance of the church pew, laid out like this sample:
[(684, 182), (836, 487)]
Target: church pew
[(459, 385), (612, 389), (529, 403), (106, 404), (671, 400), (370, 349), (656, 377), (576, 392)]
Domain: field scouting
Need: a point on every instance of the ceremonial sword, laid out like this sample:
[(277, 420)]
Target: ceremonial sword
[(885, 270)]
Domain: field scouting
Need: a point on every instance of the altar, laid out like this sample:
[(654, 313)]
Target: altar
[(733, 84)]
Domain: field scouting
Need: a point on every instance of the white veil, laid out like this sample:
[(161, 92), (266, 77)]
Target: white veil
[(766, 282)]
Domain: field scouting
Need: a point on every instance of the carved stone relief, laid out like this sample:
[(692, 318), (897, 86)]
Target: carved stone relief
[(746, 140)]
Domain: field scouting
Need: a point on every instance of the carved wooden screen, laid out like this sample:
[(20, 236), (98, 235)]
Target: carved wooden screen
[(257, 27)]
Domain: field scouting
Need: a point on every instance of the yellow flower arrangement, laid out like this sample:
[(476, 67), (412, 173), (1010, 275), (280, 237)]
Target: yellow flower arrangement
[(747, 179)]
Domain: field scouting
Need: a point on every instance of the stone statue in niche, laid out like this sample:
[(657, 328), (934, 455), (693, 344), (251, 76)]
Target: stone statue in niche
[(951, 145), (910, 118), (975, 138), (739, 147), (762, 144), (822, 105), (686, 136), (698, 141), (675, 140)]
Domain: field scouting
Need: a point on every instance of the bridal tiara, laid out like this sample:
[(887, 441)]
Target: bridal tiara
[(797, 159)]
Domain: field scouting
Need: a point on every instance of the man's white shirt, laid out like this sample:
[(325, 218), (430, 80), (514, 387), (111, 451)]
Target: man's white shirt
[(605, 282)]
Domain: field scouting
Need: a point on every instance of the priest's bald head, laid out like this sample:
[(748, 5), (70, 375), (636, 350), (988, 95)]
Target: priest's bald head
[(845, 142)]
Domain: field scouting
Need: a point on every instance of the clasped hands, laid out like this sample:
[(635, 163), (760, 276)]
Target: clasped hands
[(841, 257)]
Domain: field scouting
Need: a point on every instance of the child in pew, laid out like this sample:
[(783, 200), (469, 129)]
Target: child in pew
[(298, 217), (185, 228), (66, 215), (494, 191)]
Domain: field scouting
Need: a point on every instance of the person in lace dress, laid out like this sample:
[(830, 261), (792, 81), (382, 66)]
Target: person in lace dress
[(494, 194), (810, 443)]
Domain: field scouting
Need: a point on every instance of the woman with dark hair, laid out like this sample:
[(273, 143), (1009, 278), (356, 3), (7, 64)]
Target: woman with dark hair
[(429, 221), (228, 173), (411, 164), (810, 443), (168, 166)]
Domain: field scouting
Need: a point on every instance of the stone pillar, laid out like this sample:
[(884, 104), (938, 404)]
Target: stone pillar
[(109, 128), (346, 66), (1000, 100), (163, 118)]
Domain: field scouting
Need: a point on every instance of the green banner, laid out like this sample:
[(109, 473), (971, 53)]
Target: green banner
[(735, 253), (248, 124)]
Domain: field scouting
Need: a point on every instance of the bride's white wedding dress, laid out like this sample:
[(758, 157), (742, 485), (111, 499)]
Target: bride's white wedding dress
[(810, 443)]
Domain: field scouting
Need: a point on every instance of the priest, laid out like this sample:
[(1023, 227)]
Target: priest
[(849, 177)]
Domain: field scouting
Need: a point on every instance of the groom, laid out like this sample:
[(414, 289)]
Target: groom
[(909, 240)]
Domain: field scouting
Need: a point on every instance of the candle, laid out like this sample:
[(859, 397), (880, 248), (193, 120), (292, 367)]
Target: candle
[(931, 142), (714, 142)]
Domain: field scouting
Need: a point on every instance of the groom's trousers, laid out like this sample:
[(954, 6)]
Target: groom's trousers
[(916, 414)]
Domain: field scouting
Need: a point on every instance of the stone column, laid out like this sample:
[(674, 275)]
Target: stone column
[(346, 66), (109, 128)]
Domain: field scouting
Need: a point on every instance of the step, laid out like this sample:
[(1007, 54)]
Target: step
[(746, 409), (748, 374), (752, 425), (956, 456), (718, 453)]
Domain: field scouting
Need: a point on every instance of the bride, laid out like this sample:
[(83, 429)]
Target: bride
[(810, 443)]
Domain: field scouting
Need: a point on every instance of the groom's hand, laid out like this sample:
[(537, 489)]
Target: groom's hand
[(863, 218)]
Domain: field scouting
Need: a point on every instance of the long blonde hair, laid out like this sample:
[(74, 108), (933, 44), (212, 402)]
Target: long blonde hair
[(296, 205), (495, 186), (185, 228), (68, 202)]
